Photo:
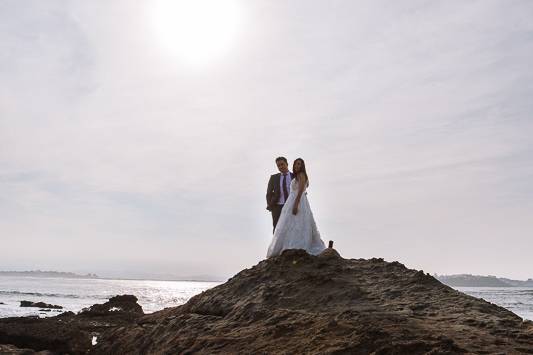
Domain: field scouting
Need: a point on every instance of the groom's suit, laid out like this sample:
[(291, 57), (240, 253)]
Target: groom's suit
[(274, 194)]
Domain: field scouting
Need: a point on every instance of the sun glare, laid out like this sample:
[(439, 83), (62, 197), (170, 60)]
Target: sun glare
[(196, 31)]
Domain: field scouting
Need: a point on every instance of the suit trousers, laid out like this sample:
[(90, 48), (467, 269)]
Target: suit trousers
[(276, 212)]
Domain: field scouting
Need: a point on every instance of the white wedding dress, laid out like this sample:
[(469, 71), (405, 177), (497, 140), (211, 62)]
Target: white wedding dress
[(296, 231)]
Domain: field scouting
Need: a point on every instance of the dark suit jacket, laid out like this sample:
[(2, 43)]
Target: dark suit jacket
[(273, 189)]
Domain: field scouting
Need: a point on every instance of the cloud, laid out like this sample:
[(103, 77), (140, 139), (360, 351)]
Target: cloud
[(414, 120)]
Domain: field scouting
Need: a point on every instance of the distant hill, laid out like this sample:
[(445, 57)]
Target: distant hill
[(39, 273), (467, 280)]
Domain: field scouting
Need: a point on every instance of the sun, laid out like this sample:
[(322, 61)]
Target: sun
[(196, 31)]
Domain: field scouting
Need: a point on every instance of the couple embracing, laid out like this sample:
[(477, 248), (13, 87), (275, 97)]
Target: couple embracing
[(294, 224)]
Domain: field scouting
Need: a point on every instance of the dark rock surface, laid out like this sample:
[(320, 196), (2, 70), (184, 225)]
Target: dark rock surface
[(291, 304), (302, 304), (39, 305), (123, 303), (13, 350), (69, 333)]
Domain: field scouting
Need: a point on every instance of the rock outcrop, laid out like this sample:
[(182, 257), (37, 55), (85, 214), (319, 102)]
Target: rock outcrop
[(295, 303), (124, 303), (67, 333), (302, 304), (39, 305)]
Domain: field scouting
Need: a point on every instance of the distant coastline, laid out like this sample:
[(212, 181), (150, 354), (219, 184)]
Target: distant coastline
[(48, 274), (467, 280), (456, 280), (72, 275)]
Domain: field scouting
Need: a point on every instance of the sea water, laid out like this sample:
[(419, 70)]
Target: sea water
[(75, 294), (518, 300)]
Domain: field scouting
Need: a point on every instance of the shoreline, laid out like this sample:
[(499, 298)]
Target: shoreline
[(298, 302), (112, 278)]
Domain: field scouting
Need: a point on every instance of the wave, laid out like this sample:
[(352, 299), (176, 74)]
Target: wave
[(58, 295)]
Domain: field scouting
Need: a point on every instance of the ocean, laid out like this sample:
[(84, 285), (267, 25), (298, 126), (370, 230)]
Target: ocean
[(75, 294), (518, 300)]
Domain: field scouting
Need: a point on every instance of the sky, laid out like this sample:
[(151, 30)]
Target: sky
[(137, 137)]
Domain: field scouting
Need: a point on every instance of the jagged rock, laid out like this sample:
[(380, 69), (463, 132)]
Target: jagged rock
[(123, 303), (39, 305), (297, 303), (68, 333)]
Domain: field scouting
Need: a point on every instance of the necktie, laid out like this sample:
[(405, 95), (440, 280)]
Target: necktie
[(285, 192)]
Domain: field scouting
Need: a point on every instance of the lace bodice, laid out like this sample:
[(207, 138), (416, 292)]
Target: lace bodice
[(295, 185)]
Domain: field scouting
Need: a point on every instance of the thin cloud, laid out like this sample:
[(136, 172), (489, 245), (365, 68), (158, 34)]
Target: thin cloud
[(414, 120)]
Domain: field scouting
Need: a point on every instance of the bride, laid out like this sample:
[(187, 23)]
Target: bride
[(296, 228)]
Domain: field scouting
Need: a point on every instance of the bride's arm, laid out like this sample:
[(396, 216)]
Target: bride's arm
[(302, 181)]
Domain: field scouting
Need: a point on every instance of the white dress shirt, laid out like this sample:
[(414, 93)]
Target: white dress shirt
[(283, 198)]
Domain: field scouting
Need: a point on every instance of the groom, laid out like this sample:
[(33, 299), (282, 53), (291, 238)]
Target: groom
[(278, 189)]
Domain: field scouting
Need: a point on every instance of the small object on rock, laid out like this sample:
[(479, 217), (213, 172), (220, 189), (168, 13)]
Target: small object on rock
[(330, 244), (329, 252), (39, 305)]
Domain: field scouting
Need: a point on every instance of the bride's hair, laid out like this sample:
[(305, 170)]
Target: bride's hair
[(302, 169)]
